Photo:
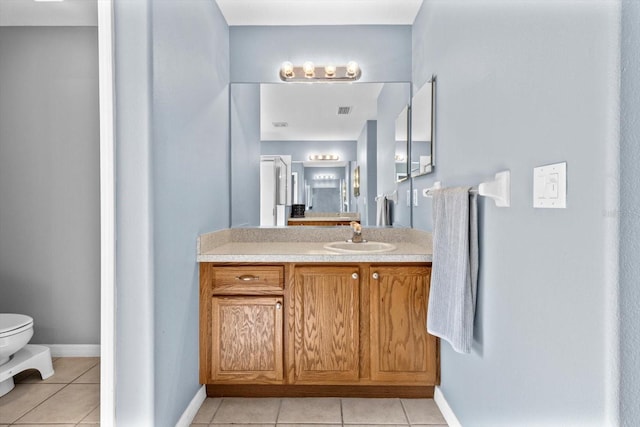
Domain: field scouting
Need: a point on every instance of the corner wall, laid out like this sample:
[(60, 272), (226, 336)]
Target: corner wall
[(524, 84)]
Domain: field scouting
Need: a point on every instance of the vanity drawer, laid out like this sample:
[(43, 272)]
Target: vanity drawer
[(246, 280)]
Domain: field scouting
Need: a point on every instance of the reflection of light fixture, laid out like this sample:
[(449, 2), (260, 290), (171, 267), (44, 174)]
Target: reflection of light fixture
[(328, 73), (324, 157), (352, 68), (309, 69), (399, 158), (330, 70), (287, 69), (324, 177)]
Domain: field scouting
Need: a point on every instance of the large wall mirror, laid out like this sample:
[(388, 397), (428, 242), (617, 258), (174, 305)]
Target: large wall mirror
[(422, 129), (296, 147)]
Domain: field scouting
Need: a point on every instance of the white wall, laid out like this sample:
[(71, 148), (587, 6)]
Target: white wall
[(49, 181), (523, 84)]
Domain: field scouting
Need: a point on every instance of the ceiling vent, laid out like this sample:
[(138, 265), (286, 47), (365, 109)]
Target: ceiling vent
[(280, 124), (344, 110)]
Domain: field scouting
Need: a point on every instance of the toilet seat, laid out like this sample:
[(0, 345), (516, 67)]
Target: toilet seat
[(11, 324)]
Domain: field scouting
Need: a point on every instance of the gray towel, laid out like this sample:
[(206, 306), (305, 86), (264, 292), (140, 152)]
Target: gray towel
[(454, 276)]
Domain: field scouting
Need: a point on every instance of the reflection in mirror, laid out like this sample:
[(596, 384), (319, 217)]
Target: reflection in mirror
[(402, 145), (422, 132), (324, 134)]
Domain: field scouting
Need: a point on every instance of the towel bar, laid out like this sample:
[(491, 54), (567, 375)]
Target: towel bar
[(499, 189)]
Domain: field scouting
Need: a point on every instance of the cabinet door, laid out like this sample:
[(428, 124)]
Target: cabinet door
[(246, 340), (401, 349), (326, 316)]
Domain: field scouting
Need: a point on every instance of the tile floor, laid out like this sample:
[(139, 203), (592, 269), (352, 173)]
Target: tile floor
[(325, 412), (71, 397), (68, 398)]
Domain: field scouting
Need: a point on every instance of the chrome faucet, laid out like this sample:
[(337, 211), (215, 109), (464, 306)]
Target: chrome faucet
[(357, 232)]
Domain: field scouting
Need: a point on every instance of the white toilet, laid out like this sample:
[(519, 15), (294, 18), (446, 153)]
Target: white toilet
[(16, 355)]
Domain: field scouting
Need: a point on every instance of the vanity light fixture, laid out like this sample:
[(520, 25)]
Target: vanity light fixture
[(333, 157), (328, 73), (324, 177)]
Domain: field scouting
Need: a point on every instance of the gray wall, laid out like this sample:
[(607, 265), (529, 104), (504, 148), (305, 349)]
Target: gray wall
[(523, 84), (245, 155), (173, 168), (630, 216), (49, 181), (190, 182), (134, 352), (393, 98), (367, 160)]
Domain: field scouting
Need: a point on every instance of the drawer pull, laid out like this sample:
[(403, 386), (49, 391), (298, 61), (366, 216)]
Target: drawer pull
[(376, 276), (247, 277)]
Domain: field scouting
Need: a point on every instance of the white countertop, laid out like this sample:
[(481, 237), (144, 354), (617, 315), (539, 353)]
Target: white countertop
[(306, 244)]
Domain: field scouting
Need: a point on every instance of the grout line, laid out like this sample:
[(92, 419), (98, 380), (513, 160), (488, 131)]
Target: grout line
[(406, 416), (279, 408), (38, 405)]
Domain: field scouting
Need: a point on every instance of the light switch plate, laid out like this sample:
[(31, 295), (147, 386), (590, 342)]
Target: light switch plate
[(550, 186)]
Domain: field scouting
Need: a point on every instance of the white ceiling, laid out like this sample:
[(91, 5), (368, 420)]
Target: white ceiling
[(311, 110), (319, 12), (71, 13)]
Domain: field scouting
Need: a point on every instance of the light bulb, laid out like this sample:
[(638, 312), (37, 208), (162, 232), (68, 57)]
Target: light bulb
[(330, 70), (308, 69), (352, 68), (287, 69)]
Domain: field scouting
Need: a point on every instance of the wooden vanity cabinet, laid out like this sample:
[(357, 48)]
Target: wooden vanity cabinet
[(326, 324), (241, 324), (316, 330), (401, 349)]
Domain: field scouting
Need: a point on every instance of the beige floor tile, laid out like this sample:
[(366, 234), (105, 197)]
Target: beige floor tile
[(70, 405), (92, 376), (44, 425), (66, 370), (310, 410), (245, 425), (93, 417), (423, 411), (373, 411), (378, 425), (247, 410), (308, 425), (207, 410), (23, 398)]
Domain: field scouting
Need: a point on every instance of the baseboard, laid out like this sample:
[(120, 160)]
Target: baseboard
[(445, 409), (74, 350), (190, 413)]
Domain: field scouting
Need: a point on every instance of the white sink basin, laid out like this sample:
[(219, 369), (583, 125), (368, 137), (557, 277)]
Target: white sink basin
[(360, 248)]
